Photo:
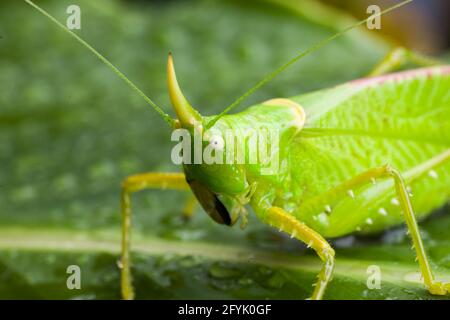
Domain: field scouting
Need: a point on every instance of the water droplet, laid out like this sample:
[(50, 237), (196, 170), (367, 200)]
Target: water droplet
[(277, 281), (222, 271), (100, 170), (323, 218), (245, 281), (84, 297), (383, 212), (394, 236), (66, 182), (217, 143), (410, 292), (369, 221), (351, 194), (433, 174), (395, 202), (413, 277), (24, 193), (327, 209), (189, 261)]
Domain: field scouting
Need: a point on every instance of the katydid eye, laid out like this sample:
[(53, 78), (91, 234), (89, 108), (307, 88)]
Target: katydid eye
[(217, 143)]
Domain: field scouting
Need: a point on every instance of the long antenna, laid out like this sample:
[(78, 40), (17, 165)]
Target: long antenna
[(303, 54), (164, 115)]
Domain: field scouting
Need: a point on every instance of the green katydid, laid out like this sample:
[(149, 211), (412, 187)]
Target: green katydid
[(350, 157)]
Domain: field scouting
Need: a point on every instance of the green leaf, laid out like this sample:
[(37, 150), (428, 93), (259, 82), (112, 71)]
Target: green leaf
[(70, 131)]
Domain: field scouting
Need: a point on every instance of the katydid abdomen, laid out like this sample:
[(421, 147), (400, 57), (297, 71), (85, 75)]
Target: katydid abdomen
[(400, 119)]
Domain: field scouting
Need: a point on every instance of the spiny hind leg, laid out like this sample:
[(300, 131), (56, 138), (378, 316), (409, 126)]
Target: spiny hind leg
[(398, 57), (135, 183), (434, 287), (285, 222), (371, 175)]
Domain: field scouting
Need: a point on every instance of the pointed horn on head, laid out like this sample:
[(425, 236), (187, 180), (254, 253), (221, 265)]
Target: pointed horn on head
[(186, 114)]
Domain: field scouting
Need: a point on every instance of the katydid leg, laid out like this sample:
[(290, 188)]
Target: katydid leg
[(135, 183), (398, 57), (189, 207), (434, 287), (386, 171), (282, 220)]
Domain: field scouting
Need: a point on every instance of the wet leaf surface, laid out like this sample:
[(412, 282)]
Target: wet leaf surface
[(70, 131)]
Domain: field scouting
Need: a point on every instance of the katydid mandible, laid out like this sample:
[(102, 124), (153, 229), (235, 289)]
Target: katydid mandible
[(350, 158)]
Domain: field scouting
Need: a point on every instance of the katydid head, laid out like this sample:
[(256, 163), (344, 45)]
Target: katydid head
[(220, 188)]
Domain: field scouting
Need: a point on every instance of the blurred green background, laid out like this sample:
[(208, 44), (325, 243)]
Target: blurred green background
[(424, 25), (70, 131)]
